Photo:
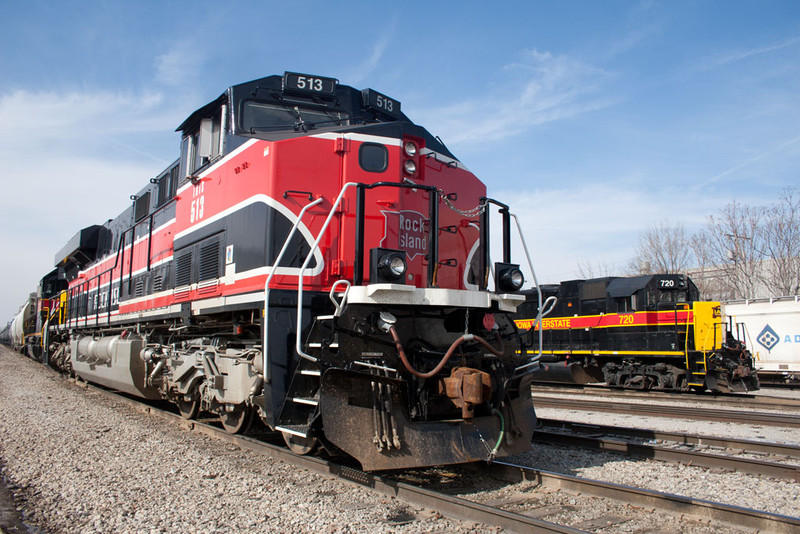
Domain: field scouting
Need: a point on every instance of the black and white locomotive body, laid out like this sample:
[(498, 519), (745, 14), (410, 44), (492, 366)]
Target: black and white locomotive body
[(315, 259)]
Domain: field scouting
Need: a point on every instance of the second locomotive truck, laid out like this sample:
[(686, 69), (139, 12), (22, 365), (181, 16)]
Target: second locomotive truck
[(643, 332), (314, 259)]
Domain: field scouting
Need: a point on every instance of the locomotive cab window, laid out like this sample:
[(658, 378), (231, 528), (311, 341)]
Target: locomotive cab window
[(373, 157), (204, 144), (260, 116)]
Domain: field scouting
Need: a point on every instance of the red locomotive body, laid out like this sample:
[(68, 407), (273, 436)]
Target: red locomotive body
[(316, 259)]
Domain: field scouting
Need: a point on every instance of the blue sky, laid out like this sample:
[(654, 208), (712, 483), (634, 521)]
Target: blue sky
[(594, 119)]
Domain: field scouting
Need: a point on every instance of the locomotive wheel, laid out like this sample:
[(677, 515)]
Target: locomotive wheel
[(237, 421), (189, 409), (299, 445)]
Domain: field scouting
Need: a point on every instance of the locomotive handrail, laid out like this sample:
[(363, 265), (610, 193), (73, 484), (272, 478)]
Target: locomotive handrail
[(357, 274), (340, 305), (120, 250), (265, 357), (485, 260), (433, 212), (302, 273), (535, 360)]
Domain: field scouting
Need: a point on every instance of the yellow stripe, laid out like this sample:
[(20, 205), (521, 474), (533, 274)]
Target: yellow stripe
[(612, 352)]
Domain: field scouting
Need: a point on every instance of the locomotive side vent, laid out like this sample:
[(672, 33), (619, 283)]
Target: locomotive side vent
[(139, 289), (183, 270), (209, 261)]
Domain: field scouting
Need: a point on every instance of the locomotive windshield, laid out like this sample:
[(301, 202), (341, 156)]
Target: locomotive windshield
[(259, 116)]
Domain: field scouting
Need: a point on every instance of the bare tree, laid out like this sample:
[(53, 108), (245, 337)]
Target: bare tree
[(734, 244), (663, 248), (708, 277), (781, 237), (598, 268)]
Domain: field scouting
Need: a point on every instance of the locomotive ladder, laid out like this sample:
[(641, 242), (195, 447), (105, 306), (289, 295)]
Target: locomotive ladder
[(696, 363), (301, 406)]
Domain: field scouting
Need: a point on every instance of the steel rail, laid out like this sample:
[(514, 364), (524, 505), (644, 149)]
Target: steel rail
[(696, 508), (742, 400), (661, 410), (768, 447), (694, 458)]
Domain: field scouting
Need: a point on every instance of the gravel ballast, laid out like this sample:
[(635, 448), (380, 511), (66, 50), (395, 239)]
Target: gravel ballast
[(79, 461)]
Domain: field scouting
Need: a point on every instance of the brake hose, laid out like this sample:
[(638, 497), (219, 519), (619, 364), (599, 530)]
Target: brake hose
[(450, 351)]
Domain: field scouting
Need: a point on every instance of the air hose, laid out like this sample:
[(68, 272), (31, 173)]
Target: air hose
[(493, 454)]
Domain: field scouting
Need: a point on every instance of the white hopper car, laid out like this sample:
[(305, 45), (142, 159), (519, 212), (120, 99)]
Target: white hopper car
[(771, 330)]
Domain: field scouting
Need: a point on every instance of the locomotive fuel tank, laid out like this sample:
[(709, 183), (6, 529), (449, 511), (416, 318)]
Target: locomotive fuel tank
[(114, 362), (566, 372)]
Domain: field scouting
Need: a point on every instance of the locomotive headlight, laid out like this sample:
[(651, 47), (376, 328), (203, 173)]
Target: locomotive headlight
[(410, 148), (387, 265), (409, 166), (393, 266), (509, 277)]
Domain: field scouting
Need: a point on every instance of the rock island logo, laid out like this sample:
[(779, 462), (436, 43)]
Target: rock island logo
[(411, 230), (768, 338)]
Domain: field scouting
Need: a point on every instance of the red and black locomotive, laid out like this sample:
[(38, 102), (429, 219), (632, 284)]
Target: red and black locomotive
[(314, 259)]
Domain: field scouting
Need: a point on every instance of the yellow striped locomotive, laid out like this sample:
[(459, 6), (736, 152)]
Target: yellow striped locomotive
[(313, 259), (643, 332)]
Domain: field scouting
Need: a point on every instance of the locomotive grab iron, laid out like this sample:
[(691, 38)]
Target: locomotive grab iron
[(316, 260)]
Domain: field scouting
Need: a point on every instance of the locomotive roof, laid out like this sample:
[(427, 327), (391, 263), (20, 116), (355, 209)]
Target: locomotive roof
[(615, 286), (625, 287), (356, 103)]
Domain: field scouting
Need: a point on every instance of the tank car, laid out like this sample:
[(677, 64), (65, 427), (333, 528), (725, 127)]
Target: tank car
[(23, 325), (642, 332), (314, 259)]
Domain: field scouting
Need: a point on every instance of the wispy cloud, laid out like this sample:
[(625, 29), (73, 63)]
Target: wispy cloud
[(644, 22), (361, 71), (80, 146), (540, 88), (726, 58), (181, 65), (744, 164), (70, 158), (571, 224), (35, 119)]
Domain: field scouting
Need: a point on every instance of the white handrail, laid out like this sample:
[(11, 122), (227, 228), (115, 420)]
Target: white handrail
[(265, 357), (539, 315), (314, 247)]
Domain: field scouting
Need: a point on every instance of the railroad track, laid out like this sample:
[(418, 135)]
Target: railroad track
[(663, 410), (494, 514), (738, 400), (765, 447), (578, 438), (451, 506)]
